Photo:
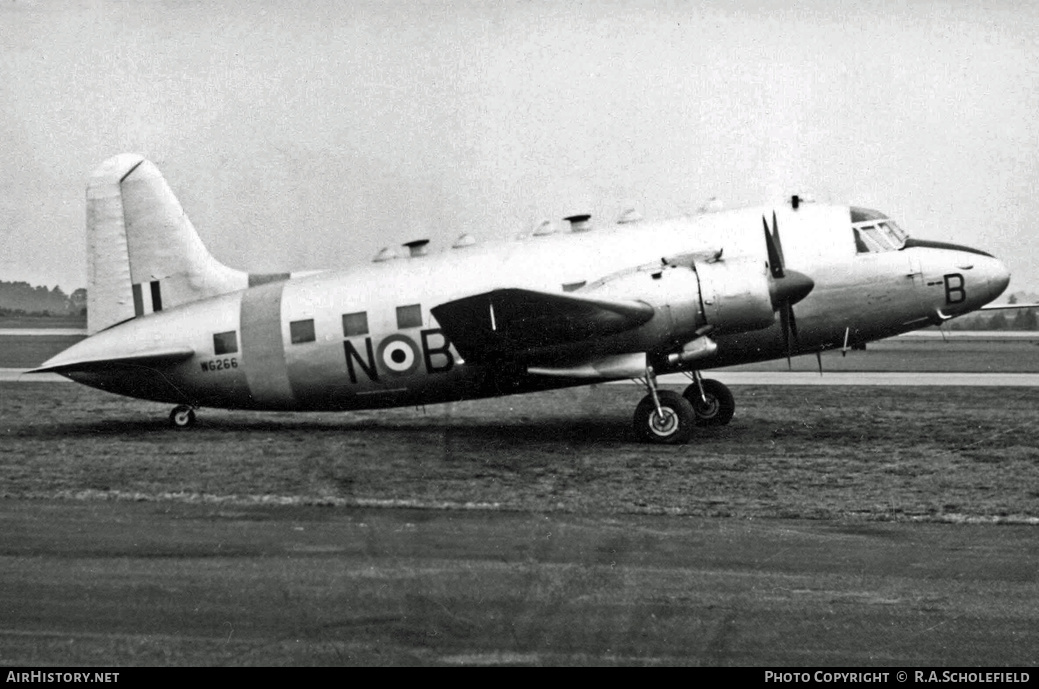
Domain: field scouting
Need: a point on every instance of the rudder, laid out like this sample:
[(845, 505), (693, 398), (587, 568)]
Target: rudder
[(143, 253)]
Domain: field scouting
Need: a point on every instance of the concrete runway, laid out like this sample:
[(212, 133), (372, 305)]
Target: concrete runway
[(169, 583), (885, 378)]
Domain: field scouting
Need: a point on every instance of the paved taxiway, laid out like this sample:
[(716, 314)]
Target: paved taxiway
[(884, 378), (43, 332), (123, 582)]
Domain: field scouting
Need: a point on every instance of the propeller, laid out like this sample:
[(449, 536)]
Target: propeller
[(786, 288)]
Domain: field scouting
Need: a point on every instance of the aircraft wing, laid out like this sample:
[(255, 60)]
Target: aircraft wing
[(1006, 307), (508, 322), (61, 364)]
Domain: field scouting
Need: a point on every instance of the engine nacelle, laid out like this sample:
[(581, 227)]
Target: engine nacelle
[(691, 296), (735, 294)]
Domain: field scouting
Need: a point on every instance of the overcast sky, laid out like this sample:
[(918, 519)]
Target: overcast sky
[(309, 134)]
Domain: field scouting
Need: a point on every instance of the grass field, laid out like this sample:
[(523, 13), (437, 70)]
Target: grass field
[(528, 530), (911, 453), (25, 351), (920, 453)]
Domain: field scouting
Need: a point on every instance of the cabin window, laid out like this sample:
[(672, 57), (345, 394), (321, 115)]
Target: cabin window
[(225, 343), (409, 316), (355, 323), (302, 331)]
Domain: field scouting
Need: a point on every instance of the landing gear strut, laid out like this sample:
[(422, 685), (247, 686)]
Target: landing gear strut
[(182, 416), (663, 416), (712, 401)]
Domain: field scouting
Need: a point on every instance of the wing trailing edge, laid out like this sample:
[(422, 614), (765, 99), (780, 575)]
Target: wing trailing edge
[(615, 367)]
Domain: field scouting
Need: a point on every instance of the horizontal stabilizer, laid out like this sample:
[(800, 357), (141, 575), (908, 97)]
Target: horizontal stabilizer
[(508, 322), (62, 364)]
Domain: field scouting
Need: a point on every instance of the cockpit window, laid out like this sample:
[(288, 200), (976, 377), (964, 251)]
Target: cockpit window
[(875, 232), (863, 214)]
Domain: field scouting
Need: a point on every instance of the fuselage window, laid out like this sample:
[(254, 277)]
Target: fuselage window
[(225, 343), (302, 331), (355, 323), (409, 316)]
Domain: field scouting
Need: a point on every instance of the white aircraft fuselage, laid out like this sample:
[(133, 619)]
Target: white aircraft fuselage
[(611, 302)]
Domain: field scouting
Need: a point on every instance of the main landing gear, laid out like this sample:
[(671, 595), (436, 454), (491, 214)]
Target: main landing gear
[(182, 416), (712, 401), (667, 418)]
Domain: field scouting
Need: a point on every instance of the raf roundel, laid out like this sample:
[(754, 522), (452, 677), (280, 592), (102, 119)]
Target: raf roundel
[(398, 355)]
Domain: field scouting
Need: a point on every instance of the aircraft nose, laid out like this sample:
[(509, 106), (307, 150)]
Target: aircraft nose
[(992, 276)]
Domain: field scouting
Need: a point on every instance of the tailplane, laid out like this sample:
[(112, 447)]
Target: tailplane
[(143, 253)]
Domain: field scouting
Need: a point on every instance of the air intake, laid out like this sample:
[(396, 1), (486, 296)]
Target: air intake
[(463, 241), (629, 216), (545, 228), (579, 223), (417, 247)]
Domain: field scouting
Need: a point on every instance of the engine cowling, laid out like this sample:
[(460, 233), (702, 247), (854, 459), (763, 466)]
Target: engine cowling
[(693, 295), (736, 294)]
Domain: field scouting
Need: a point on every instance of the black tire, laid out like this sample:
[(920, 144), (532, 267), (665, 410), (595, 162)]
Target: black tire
[(720, 405), (676, 426), (182, 417)]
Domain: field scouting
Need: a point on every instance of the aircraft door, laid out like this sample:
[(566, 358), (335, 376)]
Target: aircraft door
[(916, 270)]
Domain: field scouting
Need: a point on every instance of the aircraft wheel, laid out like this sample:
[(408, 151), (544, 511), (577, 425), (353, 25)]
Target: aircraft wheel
[(674, 427), (182, 417), (719, 407)]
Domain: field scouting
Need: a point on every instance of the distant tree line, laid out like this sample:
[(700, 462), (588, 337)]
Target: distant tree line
[(1014, 319), (22, 299), (1023, 319)]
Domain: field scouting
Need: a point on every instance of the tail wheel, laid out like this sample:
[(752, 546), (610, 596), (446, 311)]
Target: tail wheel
[(672, 425), (182, 417), (718, 407)]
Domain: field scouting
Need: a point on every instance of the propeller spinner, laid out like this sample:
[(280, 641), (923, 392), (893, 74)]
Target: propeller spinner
[(786, 288)]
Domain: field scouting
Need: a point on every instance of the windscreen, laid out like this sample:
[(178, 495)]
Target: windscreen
[(875, 232)]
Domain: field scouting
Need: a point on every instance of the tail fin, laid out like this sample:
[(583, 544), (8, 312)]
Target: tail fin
[(143, 253)]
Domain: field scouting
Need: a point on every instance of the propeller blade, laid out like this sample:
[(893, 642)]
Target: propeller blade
[(786, 287), (775, 256), (779, 244), (788, 324), (785, 316)]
